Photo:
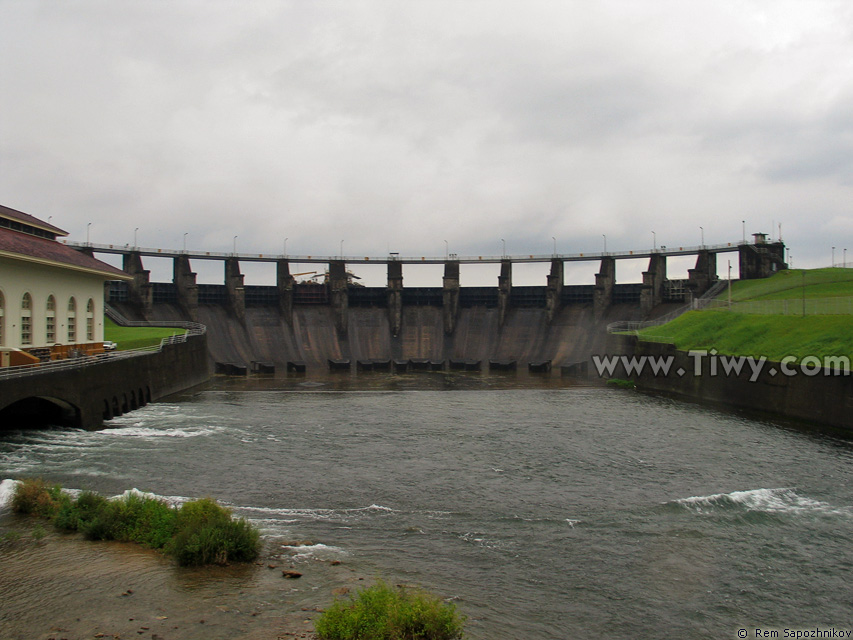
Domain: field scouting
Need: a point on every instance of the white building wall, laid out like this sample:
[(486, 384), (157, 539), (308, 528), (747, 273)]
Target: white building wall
[(40, 281)]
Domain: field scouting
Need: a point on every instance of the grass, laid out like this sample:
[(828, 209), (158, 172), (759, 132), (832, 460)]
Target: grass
[(198, 532), (772, 336), (136, 337), (381, 612), (789, 284)]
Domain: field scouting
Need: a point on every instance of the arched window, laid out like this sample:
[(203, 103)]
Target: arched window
[(26, 319), (50, 320), (90, 320), (2, 320), (72, 321)]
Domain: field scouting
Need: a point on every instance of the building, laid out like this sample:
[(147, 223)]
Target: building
[(51, 296)]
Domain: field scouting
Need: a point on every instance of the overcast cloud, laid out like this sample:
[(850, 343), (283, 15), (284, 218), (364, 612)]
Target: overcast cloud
[(397, 126)]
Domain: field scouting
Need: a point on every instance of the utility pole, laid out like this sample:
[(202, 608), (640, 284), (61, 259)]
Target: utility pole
[(730, 285)]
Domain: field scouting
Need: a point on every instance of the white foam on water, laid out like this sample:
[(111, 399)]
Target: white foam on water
[(7, 490), (170, 500), (779, 500), (313, 551), (151, 433)]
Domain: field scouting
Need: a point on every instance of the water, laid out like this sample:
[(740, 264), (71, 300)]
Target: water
[(544, 513)]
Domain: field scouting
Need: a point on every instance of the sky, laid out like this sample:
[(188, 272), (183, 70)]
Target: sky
[(420, 127)]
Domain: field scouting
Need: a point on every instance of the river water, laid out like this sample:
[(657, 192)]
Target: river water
[(545, 512)]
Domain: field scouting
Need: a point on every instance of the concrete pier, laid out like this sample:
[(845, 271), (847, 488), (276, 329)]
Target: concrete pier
[(653, 279), (236, 291), (284, 284), (554, 291), (338, 290), (186, 288), (395, 297), (504, 290), (604, 281), (450, 295), (140, 291)]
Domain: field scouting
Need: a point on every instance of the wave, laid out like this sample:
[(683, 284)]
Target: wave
[(784, 500), (7, 490), (149, 433)]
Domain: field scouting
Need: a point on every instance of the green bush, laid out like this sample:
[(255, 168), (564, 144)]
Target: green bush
[(34, 496), (76, 515), (200, 532), (381, 612), (207, 534)]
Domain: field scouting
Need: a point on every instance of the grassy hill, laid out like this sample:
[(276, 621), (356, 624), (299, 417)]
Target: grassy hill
[(763, 332), (136, 337)]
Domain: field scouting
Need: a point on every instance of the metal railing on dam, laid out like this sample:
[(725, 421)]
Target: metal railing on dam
[(452, 257), (37, 368)]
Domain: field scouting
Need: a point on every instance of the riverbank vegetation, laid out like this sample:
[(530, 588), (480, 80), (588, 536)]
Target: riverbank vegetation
[(137, 337), (196, 533), (382, 612)]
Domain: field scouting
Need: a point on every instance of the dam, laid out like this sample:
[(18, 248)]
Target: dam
[(337, 323)]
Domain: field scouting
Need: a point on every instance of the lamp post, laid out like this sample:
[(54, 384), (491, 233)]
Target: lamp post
[(845, 258), (503, 243), (833, 257), (446, 250), (342, 249), (743, 225), (702, 230), (185, 241), (654, 241), (235, 245), (555, 245), (285, 247), (134, 237), (605, 242), (88, 226)]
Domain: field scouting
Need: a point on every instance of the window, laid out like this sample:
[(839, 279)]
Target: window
[(72, 321), (50, 320), (90, 320), (26, 319)]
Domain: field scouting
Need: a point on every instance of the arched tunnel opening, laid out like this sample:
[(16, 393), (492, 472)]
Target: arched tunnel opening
[(36, 412)]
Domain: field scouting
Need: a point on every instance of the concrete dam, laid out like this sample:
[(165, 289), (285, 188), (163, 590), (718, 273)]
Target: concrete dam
[(336, 323)]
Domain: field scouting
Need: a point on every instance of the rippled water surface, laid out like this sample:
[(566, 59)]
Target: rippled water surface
[(545, 513)]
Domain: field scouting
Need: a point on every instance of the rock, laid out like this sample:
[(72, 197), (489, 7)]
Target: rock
[(291, 574), (340, 591), (335, 563)]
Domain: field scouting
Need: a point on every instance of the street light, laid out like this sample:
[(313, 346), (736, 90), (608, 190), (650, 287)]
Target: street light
[(833, 257), (342, 249), (285, 247), (743, 224), (702, 229), (134, 237), (555, 244), (235, 245), (654, 241), (185, 241), (87, 232), (605, 242), (446, 250), (503, 242)]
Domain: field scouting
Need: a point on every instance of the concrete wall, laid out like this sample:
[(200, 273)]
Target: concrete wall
[(822, 399), (88, 395)]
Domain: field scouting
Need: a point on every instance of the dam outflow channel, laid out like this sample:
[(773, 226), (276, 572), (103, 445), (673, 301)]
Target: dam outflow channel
[(544, 508)]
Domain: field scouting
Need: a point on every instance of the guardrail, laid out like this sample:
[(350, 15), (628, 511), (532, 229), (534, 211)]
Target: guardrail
[(190, 329), (706, 299), (471, 259)]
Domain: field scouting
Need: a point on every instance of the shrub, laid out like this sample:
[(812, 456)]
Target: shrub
[(200, 532), (76, 515), (207, 534), (620, 383), (36, 497), (383, 613)]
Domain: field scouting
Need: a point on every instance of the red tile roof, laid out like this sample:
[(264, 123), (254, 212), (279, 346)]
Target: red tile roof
[(43, 249), (26, 218)]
